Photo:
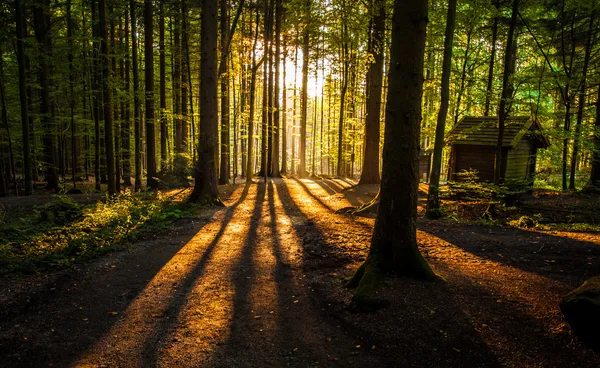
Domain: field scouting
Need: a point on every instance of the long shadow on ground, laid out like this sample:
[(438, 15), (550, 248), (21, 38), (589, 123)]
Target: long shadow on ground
[(67, 316)]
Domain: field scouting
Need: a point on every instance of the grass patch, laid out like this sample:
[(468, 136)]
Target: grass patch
[(62, 232)]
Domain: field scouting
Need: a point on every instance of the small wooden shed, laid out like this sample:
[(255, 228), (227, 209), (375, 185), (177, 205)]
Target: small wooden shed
[(473, 147)]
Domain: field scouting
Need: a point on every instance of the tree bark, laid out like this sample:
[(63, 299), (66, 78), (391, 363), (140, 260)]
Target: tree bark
[(149, 80), (136, 99), (490, 80), (255, 66), (304, 95), (433, 196), (205, 186), (43, 31), (394, 243), (594, 183), (370, 167), (163, 88), (277, 112), (107, 98), (225, 167), (20, 28), (580, 108), (503, 109)]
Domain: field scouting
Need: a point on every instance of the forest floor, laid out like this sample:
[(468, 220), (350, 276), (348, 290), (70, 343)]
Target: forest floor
[(259, 283)]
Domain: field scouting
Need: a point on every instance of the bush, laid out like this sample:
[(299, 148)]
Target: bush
[(59, 210)]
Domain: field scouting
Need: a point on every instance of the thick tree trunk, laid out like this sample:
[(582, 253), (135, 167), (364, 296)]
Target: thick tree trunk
[(433, 197), (205, 186), (503, 110), (394, 243), (27, 165), (370, 167), (149, 80)]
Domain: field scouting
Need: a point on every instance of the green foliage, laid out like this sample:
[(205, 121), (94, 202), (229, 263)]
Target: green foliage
[(46, 242), (60, 210)]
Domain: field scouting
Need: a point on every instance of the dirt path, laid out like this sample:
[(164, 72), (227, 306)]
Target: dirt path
[(259, 284), (226, 290)]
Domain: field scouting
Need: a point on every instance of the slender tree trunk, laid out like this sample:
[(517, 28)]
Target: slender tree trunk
[(72, 95), (295, 110), (224, 172), (255, 66), (116, 118), (41, 15), (345, 71), (304, 97), (136, 98), (126, 128), (284, 128), (490, 79), (433, 197), (107, 98), (594, 183), (509, 57), (580, 108), (394, 243), (149, 80), (463, 76), (184, 79), (20, 28), (205, 186), (370, 168), (163, 88)]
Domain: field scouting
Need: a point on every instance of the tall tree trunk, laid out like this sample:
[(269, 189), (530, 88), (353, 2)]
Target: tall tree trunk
[(295, 109), (126, 128), (277, 113), (27, 166), (594, 183), (72, 95), (97, 96), (107, 98), (177, 79), (344, 86), (580, 108), (205, 186), (304, 97), (163, 88), (41, 15), (490, 79), (284, 128), (149, 80), (224, 172), (136, 98), (370, 167), (184, 79), (509, 57), (463, 76), (433, 197), (114, 88), (255, 66), (394, 243)]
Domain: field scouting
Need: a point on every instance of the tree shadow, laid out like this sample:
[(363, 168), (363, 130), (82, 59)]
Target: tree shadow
[(405, 334), (564, 259), (153, 342), (69, 315)]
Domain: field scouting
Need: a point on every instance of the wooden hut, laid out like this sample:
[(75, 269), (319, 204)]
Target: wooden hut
[(473, 147)]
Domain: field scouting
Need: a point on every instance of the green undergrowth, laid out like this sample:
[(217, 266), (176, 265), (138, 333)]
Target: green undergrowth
[(62, 232)]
